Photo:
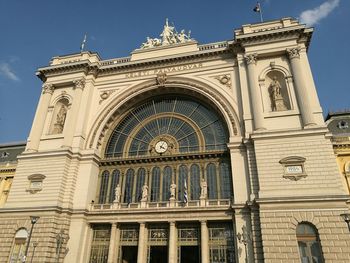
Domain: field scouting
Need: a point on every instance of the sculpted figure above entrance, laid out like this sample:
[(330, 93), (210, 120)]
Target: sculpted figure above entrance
[(169, 36)]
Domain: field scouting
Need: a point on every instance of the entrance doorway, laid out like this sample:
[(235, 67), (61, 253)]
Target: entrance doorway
[(189, 254), (129, 254), (158, 254)]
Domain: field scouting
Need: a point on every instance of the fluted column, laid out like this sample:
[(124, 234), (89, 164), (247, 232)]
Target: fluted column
[(204, 242), (142, 244), (172, 243), (256, 101), (301, 87), (113, 244), (40, 117), (74, 112)]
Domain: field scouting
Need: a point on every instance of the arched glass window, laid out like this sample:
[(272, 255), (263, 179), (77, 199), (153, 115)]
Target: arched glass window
[(195, 182), (225, 181), (309, 243), (103, 187), (182, 178), (155, 185), (141, 175), (19, 246), (129, 185), (167, 174), (114, 183), (212, 181)]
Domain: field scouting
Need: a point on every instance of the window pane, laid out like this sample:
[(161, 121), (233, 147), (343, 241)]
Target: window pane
[(129, 185), (103, 187), (195, 182), (212, 182), (141, 175), (182, 179), (225, 181), (166, 183), (114, 183), (155, 187)]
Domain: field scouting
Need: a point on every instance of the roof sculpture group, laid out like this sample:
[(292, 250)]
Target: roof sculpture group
[(169, 36)]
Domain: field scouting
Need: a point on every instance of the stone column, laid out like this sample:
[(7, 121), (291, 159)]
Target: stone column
[(301, 87), (113, 244), (204, 242), (240, 172), (142, 244), (73, 112), (244, 229), (40, 117), (256, 100), (172, 257)]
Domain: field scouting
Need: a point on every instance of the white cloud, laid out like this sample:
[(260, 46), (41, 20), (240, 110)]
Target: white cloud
[(7, 72), (313, 16)]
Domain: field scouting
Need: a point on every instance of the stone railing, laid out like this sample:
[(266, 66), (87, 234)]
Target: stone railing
[(157, 205)]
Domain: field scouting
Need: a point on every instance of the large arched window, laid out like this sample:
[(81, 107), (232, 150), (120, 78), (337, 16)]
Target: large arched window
[(19, 246), (165, 140), (309, 243)]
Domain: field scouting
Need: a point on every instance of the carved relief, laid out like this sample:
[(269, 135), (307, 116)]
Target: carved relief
[(105, 95), (79, 83), (161, 78), (293, 167)]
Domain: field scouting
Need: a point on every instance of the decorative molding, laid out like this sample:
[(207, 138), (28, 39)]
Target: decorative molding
[(293, 52), (251, 58), (48, 88), (293, 167), (105, 95), (35, 183), (224, 80)]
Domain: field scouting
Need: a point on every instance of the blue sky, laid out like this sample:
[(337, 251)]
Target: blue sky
[(32, 32)]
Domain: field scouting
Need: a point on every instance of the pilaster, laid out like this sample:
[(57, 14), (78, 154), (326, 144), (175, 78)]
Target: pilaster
[(303, 95), (256, 101), (40, 117)]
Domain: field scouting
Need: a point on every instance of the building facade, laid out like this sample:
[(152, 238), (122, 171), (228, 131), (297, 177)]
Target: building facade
[(180, 152)]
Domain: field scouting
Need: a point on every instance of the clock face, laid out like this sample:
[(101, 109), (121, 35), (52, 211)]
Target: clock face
[(161, 146)]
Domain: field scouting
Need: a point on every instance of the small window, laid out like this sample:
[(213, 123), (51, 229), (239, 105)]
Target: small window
[(309, 244), (343, 125), (19, 246)]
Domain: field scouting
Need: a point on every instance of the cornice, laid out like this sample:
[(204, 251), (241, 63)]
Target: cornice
[(297, 32), (205, 53)]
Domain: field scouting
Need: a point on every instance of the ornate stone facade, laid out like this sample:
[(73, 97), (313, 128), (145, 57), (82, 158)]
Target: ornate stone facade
[(180, 153)]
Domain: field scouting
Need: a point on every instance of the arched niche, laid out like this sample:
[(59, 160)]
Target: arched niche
[(277, 91), (59, 116)]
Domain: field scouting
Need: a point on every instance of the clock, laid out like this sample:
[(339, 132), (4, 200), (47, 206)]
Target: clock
[(161, 146)]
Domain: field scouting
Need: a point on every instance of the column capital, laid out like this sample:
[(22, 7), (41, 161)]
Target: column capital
[(251, 58), (79, 83), (293, 52), (203, 222), (48, 88)]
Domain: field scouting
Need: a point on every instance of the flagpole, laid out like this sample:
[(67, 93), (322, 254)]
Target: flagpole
[(261, 16)]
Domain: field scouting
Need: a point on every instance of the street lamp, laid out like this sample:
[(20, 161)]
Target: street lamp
[(33, 220), (35, 244), (346, 218), (244, 239)]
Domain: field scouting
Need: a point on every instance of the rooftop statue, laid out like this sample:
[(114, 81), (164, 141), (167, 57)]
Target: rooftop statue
[(169, 36)]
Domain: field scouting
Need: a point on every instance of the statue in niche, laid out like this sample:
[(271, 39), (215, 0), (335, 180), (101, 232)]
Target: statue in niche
[(172, 190), (277, 102), (117, 192), (204, 189), (144, 192), (60, 120)]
